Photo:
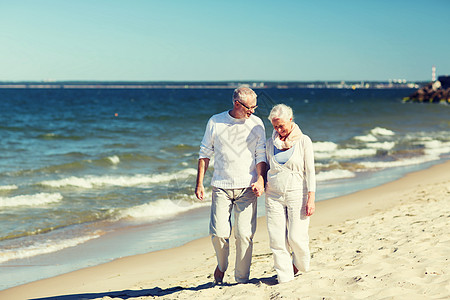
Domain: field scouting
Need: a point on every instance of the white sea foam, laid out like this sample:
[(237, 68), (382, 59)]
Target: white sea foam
[(440, 148), (355, 152), (89, 182), (8, 187), (46, 247), (334, 174), (345, 153), (381, 145), (366, 138), (400, 163), (433, 150), (114, 159), (431, 144), (382, 131), (374, 134), (30, 200), (323, 150), (436, 147), (160, 209), (324, 146), (327, 150), (321, 165)]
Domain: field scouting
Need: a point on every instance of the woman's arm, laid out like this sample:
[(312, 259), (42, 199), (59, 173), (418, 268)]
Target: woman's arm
[(310, 174)]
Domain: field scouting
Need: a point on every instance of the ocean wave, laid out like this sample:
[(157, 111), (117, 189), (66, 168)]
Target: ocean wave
[(54, 136), (12, 128), (349, 152), (89, 182), (160, 209), (432, 149), (381, 145), (435, 147), (382, 131), (366, 138), (46, 247), (327, 150), (8, 187), (77, 165), (114, 159), (104, 162), (181, 148), (373, 134), (124, 158), (30, 200), (334, 174), (345, 153), (81, 164), (400, 162), (324, 146), (137, 157)]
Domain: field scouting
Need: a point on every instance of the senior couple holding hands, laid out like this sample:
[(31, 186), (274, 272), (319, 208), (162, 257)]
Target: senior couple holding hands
[(243, 159)]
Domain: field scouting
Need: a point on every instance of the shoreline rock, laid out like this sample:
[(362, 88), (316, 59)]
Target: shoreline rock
[(434, 92)]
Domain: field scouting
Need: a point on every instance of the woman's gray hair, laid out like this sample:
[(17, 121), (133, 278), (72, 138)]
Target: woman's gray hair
[(281, 111), (243, 93)]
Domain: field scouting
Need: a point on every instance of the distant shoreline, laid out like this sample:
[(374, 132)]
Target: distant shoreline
[(395, 84)]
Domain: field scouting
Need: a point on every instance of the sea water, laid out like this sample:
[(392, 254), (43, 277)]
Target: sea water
[(90, 175)]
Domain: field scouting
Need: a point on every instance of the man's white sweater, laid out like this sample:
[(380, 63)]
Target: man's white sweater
[(237, 145)]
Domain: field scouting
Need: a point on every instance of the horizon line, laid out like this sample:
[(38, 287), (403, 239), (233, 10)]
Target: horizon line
[(48, 81)]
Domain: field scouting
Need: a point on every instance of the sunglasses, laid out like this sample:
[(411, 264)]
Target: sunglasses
[(249, 108)]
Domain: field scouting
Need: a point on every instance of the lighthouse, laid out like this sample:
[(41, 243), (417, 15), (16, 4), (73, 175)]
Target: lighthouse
[(433, 74)]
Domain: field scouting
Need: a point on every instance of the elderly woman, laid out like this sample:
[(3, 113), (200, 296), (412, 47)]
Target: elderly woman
[(290, 193)]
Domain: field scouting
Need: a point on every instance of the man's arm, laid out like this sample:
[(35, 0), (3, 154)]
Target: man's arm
[(206, 151), (203, 164)]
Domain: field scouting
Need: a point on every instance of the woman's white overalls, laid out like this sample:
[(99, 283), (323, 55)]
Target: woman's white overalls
[(286, 197)]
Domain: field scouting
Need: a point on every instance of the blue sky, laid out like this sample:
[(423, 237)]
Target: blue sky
[(178, 40)]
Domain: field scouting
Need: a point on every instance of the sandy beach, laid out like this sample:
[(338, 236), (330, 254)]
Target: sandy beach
[(387, 242)]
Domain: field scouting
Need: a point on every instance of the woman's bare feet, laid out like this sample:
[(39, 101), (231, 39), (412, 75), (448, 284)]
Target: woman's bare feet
[(295, 269)]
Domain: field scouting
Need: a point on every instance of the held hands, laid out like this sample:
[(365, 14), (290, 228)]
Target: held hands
[(258, 187), (311, 205)]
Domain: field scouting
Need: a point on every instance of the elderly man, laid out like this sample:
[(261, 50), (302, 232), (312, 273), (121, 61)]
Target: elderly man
[(236, 139)]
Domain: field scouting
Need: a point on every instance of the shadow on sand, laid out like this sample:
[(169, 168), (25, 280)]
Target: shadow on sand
[(155, 292)]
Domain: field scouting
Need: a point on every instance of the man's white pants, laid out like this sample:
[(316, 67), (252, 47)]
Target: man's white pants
[(288, 224), (244, 203)]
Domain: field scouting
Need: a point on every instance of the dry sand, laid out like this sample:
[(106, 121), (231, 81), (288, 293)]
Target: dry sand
[(387, 242)]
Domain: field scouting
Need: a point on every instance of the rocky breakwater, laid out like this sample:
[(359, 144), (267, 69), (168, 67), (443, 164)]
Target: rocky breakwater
[(434, 92)]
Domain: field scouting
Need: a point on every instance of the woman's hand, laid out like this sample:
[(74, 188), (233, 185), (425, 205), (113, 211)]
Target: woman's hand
[(311, 205)]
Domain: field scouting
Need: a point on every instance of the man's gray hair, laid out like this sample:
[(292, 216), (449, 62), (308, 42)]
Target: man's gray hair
[(243, 93), (281, 111)]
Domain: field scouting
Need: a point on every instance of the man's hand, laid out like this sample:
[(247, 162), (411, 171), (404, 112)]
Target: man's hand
[(203, 164), (200, 192)]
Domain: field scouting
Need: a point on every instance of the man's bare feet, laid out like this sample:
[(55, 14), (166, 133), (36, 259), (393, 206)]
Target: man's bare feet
[(218, 276)]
